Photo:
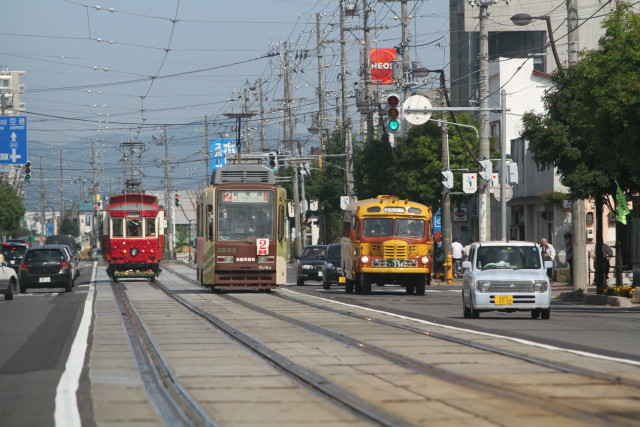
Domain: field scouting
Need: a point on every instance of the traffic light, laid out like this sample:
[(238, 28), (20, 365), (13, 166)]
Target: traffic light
[(27, 171), (177, 200), (447, 182), (273, 161), (392, 110), (487, 169)]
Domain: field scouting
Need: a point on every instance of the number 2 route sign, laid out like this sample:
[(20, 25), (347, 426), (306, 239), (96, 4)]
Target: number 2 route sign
[(13, 140)]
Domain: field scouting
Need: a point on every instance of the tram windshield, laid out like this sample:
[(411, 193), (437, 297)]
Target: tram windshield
[(246, 213), (133, 227)]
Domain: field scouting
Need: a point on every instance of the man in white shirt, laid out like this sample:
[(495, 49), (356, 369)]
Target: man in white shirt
[(548, 254), (456, 254)]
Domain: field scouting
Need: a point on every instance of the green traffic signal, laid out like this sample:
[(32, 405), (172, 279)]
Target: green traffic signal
[(393, 125), (27, 177)]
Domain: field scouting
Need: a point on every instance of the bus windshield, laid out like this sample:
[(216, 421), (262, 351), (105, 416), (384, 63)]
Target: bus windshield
[(245, 213), (401, 227)]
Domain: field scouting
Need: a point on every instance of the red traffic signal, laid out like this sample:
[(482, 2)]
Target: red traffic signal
[(177, 200), (393, 100)]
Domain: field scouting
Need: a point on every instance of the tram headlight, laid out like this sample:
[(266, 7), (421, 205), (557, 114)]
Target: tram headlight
[(266, 259), (134, 252), (364, 259)]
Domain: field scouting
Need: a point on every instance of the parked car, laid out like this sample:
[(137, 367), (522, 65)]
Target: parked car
[(331, 270), (8, 281), (310, 263), (506, 276), (13, 253), (48, 266)]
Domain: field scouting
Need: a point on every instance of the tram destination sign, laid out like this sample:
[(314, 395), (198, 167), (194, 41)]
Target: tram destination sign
[(13, 140)]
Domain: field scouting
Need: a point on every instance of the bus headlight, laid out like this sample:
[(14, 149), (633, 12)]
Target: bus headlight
[(228, 259), (266, 259), (364, 259), (425, 260)]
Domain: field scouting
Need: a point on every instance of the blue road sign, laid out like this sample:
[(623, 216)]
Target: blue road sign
[(219, 149), (13, 140), (437, 221)]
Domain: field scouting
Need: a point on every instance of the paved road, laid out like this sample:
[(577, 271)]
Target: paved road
[(38, 330)]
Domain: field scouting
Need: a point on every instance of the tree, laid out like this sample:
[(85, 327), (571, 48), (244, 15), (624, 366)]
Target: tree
[(11, 209), (69, 227), (589, 131)]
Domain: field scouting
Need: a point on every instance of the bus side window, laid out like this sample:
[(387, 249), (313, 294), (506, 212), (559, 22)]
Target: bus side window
[(209, 222)]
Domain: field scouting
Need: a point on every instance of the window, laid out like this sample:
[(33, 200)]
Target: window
[(116, 227)]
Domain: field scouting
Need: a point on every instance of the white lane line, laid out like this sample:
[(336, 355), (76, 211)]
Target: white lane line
[(471, 331), (66, 412)]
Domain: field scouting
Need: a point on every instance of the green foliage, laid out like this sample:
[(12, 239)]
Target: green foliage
[(411, 170), (590, 130), (69, 227), (11, 209)]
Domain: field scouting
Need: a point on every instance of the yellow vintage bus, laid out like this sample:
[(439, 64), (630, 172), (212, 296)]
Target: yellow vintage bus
[(387, 241)]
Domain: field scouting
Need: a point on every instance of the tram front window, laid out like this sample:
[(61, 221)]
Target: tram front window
[(245, 214), (133, 228), (116, 227)]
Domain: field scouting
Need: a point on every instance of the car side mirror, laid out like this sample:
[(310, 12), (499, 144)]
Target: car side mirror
[(548, 264), (466, 265)]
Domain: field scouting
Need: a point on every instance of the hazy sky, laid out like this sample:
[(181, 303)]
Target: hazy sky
[(99, 74)]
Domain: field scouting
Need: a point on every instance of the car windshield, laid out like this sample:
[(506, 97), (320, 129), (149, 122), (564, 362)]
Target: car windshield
[(314, 253), (512, 257), (45, 256)]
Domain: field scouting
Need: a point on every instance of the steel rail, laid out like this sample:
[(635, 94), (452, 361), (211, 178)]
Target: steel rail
[(170, 400)]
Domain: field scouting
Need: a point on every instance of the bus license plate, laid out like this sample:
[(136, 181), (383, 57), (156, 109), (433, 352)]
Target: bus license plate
[(395, 263), (503, 299), (44, 280)]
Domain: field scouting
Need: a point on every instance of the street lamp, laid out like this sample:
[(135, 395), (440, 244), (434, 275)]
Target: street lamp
[(523, 19)]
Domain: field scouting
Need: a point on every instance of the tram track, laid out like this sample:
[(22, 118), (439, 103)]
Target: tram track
[(541, 401), (171, 402)]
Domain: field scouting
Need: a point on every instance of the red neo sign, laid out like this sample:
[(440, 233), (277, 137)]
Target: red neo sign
[(381, 66)]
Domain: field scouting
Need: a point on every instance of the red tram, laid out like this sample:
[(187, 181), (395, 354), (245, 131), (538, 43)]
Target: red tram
[(133, 236)]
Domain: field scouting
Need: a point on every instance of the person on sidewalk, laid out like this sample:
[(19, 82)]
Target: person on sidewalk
[(548, 254), (607, 254)]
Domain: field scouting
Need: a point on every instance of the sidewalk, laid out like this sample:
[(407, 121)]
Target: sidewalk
[(564, 292)]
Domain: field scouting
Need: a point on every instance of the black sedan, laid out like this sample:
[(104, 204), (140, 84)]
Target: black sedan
[(310, 263), (47, 266)]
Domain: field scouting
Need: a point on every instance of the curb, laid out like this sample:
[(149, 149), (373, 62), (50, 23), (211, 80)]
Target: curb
[(595, 299)]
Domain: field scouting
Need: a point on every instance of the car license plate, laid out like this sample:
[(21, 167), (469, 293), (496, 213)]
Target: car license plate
[(503, 299), (319, 273), (342, 279), (44, 280), (12, 262)]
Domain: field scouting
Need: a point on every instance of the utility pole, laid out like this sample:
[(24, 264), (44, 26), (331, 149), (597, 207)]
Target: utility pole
[(263, 140), (289, 132), (42, 200), (578, 221), (207, 151), (484, 202), (168, 205), (446, 197), (346, 124), (62, 211), (321, 105), (368, 93), (405, 51)]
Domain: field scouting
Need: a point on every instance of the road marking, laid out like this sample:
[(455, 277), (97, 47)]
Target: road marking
[(471, 331), (66, 413)]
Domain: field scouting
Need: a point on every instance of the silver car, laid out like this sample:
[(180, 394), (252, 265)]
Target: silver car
[(8, 281), (506, 276)]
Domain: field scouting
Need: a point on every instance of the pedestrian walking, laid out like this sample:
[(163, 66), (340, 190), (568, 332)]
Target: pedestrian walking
[(548, 254)]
